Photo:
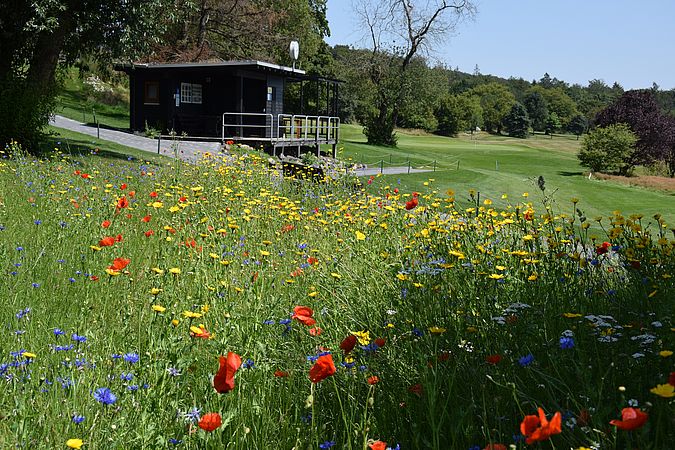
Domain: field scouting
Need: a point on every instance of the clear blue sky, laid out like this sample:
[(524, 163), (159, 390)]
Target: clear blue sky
[(573, 40)]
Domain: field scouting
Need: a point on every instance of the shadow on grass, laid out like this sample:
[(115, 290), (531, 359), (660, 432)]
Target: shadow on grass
[(80, 147), (570, 174)]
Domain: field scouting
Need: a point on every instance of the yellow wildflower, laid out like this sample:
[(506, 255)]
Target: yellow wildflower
[(174, 270), (362, 336), (664, 390), (158, 308), (74, 443)]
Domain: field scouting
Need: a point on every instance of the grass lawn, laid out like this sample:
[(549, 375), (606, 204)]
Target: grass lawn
[(75, 143), (75, 102), (496, 165)]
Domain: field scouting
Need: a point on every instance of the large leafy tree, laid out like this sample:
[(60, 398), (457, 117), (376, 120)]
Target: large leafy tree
[(496, 102), (640, 111), (537, 109), (38, 35), (244, 29)]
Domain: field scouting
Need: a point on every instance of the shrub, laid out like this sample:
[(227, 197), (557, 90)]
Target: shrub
[(608, 149)]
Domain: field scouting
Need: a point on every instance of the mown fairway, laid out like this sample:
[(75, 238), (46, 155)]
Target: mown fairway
[(349, 316), (499, 165)]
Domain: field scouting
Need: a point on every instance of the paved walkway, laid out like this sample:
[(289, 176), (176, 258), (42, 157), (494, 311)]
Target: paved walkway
[(190, 151)]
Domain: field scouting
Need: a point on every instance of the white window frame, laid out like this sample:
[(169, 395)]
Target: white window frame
[(191, 93)]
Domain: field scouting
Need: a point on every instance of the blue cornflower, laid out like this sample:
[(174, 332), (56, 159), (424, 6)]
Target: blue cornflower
[(19, 249), (174, 441), (269, 322), (22, 313), (36, 285), (193, 414), (173, 371), (59, 332), (417, 332), (474, 447), (284, 321), (63, 348), (131, 358), (566, 343), (105, 396), (526, 360), (327, 444), (37, 222), (133, 387), (126, 376), (77, 419), (248, 364), (77, 338)]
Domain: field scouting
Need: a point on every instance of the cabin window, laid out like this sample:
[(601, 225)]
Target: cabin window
[(151, 93), (191, 93)]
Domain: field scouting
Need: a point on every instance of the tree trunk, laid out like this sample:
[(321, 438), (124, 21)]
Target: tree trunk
[(42, 71)]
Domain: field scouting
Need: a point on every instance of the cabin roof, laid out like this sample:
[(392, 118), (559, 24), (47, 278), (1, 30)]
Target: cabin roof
[(239, 64), (297, 74)]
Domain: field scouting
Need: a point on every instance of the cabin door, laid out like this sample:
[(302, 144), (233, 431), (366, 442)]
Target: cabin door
[(254, 101)]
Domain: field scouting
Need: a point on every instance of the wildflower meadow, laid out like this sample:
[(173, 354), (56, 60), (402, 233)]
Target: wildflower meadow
[(215, 305)]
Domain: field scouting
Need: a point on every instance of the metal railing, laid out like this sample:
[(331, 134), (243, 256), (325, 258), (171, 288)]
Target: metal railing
[(250, 126), (286, 127)]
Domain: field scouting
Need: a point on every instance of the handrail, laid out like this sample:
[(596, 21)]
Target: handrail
[(269, 123)]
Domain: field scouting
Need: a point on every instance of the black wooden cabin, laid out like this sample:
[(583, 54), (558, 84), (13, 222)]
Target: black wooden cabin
[(241, 101)]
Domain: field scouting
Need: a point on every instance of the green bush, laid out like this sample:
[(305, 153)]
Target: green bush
[(608, 148)]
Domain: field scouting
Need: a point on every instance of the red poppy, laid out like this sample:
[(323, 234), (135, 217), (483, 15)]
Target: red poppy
[(671, 379), (416, 389), (118, 238), (107, 241), (316, 331), (602, 249), (146, 219), (496, 447), (493, 359), (631, 419), (149, 233), (539, 428), (182, 199), (122, 203), (119, 264), (105, 223), (153, 194), (348, 344), (303, 314), (224, 380), (132, 194), (312, 260), (378, 445), (280, 374), (584, 418), (380, 342), (322, 369), (373, 380), (123, 186), (210, 421), (85, 175), (412, 203)]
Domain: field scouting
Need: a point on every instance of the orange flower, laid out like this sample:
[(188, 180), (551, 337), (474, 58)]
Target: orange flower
[(107, 241), (224, 380), (373, 380), (149, 233), (322, 369), (146, 219), (348, 344), (303, 314), (378, 445), (539, 428), (316, 331), (119, 264), (210, 421), (312, 260), (280, 374), (105, 223), (631, 419)]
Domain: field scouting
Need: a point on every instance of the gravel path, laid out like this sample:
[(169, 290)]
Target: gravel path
[(189, 151)]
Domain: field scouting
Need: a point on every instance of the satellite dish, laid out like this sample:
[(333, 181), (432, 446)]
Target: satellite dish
[(294, 50)]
